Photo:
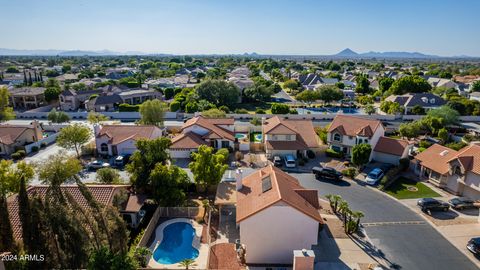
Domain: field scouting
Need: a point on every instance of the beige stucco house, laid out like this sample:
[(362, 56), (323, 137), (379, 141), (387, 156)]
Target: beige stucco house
[(12, 136)]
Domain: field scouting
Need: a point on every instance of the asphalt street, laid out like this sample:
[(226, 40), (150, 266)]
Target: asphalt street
[(413, 244)]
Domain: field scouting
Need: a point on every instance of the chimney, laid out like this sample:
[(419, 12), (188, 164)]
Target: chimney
[(303, 259), (238, 178), (37, 131), (96, 129), (263, 120)]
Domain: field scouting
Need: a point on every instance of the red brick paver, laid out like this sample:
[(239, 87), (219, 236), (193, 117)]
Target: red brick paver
[(223, 256)]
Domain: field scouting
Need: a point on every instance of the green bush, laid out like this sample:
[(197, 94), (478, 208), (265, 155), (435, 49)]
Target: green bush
[(241, 111), (34, 148), (332, 153), (224, 152), (224, 108), (16, 156), (260, 111), (22, 153), (350, 172), (124, 107), (43, 145), (456, 145), (175, 106), (278, 108), (310, 154), (424, 144), (389, 178)]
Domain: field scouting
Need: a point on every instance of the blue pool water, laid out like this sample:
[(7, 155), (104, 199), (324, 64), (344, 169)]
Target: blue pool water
[(176, 244)]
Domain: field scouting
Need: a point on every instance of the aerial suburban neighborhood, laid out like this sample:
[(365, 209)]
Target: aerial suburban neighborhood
[(180, 148)]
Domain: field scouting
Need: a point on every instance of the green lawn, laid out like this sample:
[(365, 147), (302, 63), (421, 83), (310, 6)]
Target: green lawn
[(252, 107), (399, 189)]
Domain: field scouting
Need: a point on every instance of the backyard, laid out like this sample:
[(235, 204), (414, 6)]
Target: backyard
[(405, 188)]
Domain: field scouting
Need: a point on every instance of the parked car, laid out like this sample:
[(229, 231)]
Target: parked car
[(474, 245), (374, 176), (461, 203), (432, 205), (277, 161), (290, 161), (327, 172), (119, 161), (97, 164)]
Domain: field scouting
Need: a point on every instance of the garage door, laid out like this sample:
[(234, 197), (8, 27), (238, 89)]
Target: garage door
[(180, 153), (471, 193), (385, 158)]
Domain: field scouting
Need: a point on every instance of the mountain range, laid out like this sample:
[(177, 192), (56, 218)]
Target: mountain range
[(346, 53)]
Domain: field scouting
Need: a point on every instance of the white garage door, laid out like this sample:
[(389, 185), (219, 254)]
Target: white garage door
[(471, 193), (385, 158), (180, 153)]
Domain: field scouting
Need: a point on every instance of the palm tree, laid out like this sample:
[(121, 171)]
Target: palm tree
[(357, 215), (206, 207), (187, 263), (344, 210), (337, 199)]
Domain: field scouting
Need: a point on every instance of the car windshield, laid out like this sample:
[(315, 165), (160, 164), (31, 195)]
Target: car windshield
[(465, 200), (373, 174)]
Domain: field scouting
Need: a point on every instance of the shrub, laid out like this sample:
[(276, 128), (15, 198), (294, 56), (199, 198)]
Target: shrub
[(34, 148), (16, 156), (389, 178), (43, 145), (301, 162), (108, 176), (124, 107), (22, 153), (456, 145), (241, 111), (224, 108), (332, 153), (404, 163), (224, 152), (424, 144), (310, 154), (256, 121), (278, 108), (260, 111), (350, 172)]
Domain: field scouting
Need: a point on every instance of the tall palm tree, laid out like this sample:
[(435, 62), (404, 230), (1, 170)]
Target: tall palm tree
[(337, 199), (357, 215), (187, 263)]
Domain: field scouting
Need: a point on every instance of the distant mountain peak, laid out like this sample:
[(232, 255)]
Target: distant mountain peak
[(347, 52)]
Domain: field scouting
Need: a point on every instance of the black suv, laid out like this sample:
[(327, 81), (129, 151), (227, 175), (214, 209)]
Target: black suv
[(474, 245), (432, 205), (327, 172)]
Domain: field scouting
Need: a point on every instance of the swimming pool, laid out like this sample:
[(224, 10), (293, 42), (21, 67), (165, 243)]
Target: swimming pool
[(176, 244), (240, 136)]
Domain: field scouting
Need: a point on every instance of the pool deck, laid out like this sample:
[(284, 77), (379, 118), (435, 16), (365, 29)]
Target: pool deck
[(200, 261)]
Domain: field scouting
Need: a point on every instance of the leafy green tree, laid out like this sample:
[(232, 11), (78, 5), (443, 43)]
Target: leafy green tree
[(51, 93), (292, 84), (362, 84), (258, 92), (168, 93), (369, 109), (55, 116), (476, 86), (207, 167), (361, 154), (278, 108), (410, 84), (364, 100), (391, 107), (152, 112), (409, 130), (449, 115), (175, 106), (308, 96), (384, 84), (443, 135), (214, 113), (167, 183), (73, 137), (329, 93), (108, 176), (6, 112), (143, 161), (218, 92), (95, 118), (418, 110), (191, 107)]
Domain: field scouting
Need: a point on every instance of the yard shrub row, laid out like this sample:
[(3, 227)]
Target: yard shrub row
[(333, 153)]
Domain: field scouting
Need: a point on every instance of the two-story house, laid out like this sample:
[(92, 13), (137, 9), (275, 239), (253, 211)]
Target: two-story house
[(13, 136), (112, 140), (346, 131), (215, 132), (26, 98), (455, 171), (71, 100), (289, 137)]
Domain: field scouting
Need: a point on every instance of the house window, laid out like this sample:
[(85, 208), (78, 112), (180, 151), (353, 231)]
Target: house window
[(337, 137), (104, 147), (360, 141), (288, 137), (366, 141), (435, 175), (457, 170), (225, 144)]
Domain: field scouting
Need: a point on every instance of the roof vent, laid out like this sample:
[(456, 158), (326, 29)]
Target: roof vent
[(266, 184), (432, 101), (444, 153), (425, 99)]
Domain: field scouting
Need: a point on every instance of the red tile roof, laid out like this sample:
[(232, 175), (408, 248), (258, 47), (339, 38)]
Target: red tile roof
[(251, 198), (121, 133), (437, 158), (102, 193), (8, 134), (302, 129), (391, 146), (353, 125), (214, 125), (187, 140), (469, 157)]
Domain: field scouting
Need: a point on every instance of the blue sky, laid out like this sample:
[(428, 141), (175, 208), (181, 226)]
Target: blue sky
[(225, 26)]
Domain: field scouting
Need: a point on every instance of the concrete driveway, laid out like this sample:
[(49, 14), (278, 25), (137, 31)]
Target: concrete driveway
[(404, 238)]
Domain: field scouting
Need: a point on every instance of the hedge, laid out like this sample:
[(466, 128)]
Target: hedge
[(332, 153), (124, 107), (350, 172), (175, 106)]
